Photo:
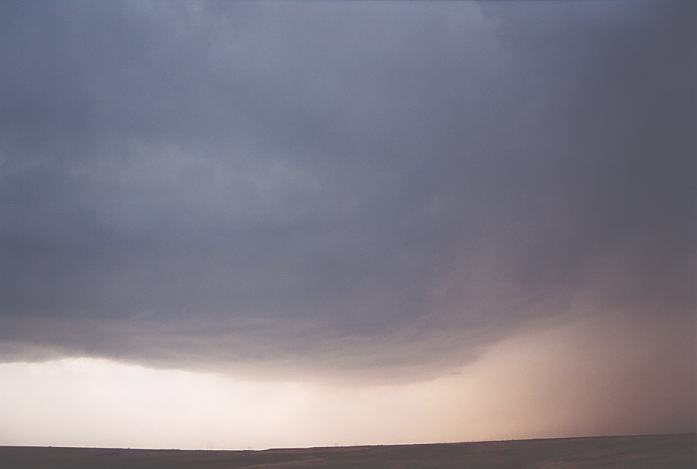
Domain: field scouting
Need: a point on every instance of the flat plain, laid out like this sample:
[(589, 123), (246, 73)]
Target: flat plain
[(654, 451)]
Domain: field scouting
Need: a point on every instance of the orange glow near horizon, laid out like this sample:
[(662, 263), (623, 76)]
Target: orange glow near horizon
[(520, 388)]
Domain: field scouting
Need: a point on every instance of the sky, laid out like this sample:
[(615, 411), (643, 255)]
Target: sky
[(264, 224)]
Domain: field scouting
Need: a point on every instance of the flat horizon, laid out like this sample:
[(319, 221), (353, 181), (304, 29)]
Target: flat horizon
[(674, 451), (302, 224), (362, 446)]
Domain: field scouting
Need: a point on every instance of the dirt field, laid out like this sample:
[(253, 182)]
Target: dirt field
[(665, 451)]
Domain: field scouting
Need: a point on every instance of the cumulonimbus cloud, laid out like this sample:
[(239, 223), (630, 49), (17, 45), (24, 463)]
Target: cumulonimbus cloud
[(354, 186)]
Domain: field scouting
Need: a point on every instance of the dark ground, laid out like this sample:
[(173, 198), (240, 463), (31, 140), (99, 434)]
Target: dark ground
[(655, 452)]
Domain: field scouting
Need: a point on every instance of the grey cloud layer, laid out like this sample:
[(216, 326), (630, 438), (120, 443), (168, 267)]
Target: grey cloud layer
[(388, 183)]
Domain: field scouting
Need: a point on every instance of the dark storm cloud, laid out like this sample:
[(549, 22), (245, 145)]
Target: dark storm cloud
[(339, 183)]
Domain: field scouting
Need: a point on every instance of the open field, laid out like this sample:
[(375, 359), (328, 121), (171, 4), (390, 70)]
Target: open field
[(659, 451)]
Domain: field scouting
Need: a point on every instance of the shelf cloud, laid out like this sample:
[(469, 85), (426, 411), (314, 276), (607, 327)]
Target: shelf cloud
[(342, 191)]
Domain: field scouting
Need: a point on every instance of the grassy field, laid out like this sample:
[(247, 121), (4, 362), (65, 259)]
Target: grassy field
[(655, 452)]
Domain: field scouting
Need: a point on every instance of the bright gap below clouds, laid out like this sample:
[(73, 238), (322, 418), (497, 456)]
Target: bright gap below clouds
[(520, 388)]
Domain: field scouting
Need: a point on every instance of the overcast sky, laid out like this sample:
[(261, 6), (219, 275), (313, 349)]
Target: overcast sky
[(364, 193)]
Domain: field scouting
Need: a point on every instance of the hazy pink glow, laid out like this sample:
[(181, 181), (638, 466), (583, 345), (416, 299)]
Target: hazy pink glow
[(273, 224), (587, 378)]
